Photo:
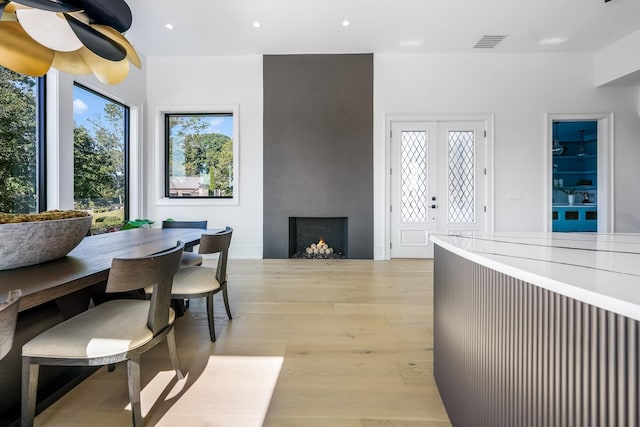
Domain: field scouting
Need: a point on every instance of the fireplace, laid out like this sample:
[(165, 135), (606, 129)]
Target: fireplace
[(306, 233), (318, 168)]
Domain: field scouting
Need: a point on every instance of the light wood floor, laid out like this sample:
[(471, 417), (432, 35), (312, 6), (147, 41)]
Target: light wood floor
[(313, 343)]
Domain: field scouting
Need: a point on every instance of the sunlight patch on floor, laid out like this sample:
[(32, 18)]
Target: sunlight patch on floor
[(227, 387)]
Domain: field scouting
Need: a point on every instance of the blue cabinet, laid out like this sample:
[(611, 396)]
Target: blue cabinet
[(575, 218)]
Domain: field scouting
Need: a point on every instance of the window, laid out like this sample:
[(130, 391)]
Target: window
[(22, 146), (100, 158), (199, 155)]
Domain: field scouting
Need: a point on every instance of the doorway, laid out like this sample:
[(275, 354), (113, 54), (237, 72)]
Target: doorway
[(579, 152), (575, 176), (438, 182)]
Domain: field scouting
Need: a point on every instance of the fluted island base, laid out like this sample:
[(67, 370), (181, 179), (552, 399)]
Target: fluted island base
[(511, 353)]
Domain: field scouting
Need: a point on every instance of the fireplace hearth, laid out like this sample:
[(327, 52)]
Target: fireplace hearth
[(318, 237)]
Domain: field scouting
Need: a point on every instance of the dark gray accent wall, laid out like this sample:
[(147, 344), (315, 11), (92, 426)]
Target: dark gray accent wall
[(318, 146)]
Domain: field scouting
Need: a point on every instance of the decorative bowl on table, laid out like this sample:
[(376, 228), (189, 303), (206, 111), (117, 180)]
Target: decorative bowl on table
[(28, 239)]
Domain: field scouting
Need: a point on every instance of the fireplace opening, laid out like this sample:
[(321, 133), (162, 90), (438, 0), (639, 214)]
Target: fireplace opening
[(318, 237)]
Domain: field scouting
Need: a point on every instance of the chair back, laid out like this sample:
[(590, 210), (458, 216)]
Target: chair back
[(155, 270), (218, 243), (185, 224), (8, 317)]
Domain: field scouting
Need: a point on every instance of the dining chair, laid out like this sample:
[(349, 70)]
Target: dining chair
[(8, 318), (111, 332), (198, 282), (189, 258)]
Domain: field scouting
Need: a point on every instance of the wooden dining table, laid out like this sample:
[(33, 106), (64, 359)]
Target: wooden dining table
[(55, 290), (89, 262)]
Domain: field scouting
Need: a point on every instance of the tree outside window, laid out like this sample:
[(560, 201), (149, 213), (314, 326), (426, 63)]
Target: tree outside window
[(199, 153), (20, 143), (100, 158)]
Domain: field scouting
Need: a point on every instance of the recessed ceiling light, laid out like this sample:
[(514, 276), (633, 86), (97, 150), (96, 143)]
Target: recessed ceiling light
[(257, 24), (411, 43), (346, 23), (169, 27), (552, 40)]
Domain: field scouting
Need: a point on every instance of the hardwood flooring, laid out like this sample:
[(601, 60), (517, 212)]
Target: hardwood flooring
[(344, 343)]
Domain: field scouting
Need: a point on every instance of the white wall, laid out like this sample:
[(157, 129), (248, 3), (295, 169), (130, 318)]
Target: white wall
[(615, 66), (518, 89), (205, 81)]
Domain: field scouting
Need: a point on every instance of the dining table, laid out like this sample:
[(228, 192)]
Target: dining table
[(58, 289), (89, 262)]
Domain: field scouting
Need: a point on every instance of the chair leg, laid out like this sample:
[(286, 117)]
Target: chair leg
[(133, 375), (212, 330), (30, 373), (225, 297), (178, 306), (173, 353)]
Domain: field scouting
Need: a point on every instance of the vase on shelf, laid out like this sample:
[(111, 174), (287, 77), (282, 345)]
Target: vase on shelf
[(571, 198)]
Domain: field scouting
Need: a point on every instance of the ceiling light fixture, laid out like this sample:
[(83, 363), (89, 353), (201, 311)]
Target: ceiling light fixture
[(411, 43), (169, 26), (552, 40), (74, 36), (346, 23), (257, 24)]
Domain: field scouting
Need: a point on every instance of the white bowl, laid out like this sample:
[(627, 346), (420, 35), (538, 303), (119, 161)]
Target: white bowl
[(29, 243)]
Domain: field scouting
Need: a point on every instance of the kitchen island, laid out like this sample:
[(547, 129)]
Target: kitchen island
[(537, 328)]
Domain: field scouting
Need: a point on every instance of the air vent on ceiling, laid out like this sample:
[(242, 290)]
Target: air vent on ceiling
[(488, 42)]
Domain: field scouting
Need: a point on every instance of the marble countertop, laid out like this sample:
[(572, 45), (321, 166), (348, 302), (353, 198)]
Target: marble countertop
[(600, 269)]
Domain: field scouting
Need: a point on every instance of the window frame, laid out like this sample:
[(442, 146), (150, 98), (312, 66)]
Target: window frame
[(162, 162), (127, 144), (41, 144), (167, 142)]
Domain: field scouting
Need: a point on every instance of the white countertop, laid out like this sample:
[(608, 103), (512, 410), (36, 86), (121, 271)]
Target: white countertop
[(600, 269)]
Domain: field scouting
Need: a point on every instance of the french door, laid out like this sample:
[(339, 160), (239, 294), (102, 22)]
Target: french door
[(437, 182)]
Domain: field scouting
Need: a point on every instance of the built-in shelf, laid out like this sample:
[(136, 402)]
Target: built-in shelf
[(574, 172), (588, 156)]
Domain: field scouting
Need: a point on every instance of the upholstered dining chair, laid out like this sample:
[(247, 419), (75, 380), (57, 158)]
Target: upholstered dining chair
[(8, 317), (111, 332), (189, 258), (198, 282)]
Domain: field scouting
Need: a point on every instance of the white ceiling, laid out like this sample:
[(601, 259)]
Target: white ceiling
[(225, 27)]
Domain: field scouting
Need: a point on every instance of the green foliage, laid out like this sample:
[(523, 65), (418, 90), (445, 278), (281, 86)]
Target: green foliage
[(195, 152), (137, 223), (18, 143), (99, 162), (94, 179), (109, 135), (107, 221), (212, 155)]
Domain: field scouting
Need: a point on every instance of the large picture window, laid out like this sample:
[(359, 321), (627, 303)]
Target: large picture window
[(100, 158), (22, 147), (199, 154)]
